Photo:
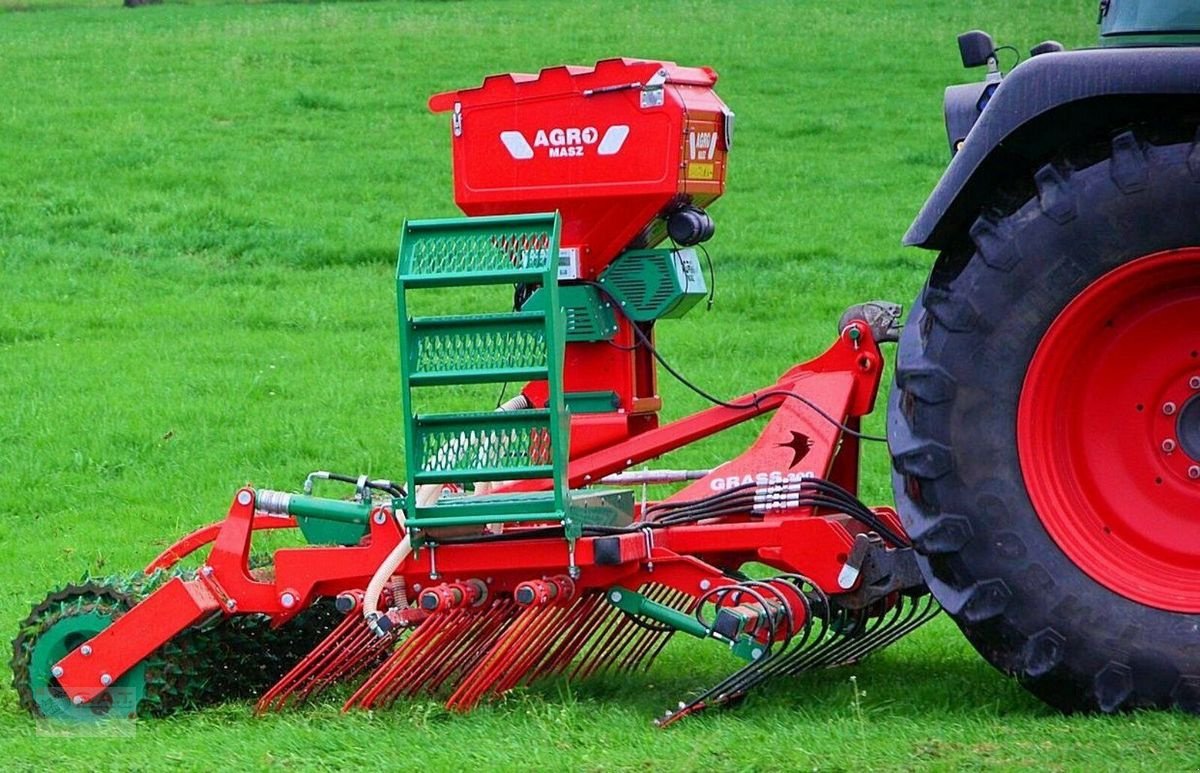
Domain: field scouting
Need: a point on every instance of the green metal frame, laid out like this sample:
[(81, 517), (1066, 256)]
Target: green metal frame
[(473, 349)]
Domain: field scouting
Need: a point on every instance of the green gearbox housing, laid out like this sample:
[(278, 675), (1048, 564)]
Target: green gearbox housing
[(655, 284), (647, 285)]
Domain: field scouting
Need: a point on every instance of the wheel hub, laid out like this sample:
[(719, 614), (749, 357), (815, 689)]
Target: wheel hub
[(1108, 430), (61, 637), (1187, 429)]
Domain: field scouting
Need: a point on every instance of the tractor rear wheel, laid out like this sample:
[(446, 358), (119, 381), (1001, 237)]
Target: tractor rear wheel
[(1045, 427)]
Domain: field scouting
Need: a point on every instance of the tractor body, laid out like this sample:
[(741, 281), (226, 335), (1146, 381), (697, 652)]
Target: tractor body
[(516, 547)]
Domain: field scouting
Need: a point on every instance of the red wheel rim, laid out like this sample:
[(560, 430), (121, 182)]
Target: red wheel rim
[(1108, 430)]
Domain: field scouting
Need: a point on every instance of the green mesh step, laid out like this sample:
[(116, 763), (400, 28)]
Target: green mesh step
[(456, 447), (479, 250), (477, 349)]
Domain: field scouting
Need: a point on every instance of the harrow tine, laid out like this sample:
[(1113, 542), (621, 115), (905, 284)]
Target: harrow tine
[(519, 652), (537, 650), (655, 639), (348, 649), (443, 648), (401, 659), (833, 644), (491, 667), (593, 648), (481, 641), (578, 625)]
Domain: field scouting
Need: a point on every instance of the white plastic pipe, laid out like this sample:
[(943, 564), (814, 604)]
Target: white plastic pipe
[(382, 575)]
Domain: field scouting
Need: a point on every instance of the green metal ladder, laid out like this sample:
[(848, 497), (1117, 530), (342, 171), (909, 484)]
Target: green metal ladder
[(516, 346)]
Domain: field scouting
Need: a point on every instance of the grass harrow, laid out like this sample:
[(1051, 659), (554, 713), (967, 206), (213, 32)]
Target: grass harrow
[(511, 553)]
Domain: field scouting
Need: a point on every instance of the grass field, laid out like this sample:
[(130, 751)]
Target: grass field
[(199, 209)]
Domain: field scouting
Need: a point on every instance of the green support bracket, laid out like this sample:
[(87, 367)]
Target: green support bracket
[(744, 646), (322, 521)]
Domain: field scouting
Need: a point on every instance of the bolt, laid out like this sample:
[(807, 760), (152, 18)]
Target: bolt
[(1194, 472), (231, 604), (105, 680), (380, 517), (206, 571), (1168, 445), (416, 587), (756, 653), (243, 497), (705, 585), (615, 596), (287, 600), (1194, 382), (57, 671), (85, 650), (77, 700), (1168, 408)]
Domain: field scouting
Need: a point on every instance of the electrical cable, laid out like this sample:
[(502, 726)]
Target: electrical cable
[(755, 397), (1009, 48)]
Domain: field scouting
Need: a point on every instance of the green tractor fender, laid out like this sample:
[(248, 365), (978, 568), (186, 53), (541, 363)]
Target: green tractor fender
[(1045, 104)]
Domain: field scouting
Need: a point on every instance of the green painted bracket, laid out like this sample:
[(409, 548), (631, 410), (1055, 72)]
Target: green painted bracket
[(745, 646)]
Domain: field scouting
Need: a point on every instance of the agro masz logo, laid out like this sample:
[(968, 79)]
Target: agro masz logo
[(565, 142)]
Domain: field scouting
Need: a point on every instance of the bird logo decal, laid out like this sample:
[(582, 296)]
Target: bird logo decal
[(800, 445)]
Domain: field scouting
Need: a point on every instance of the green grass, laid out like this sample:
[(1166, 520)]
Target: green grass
[(199, 208)]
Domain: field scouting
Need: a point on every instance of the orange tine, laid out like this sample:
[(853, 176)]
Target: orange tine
[(355, 654), (439, 650), (348, 645), (654, 643), (488, 668), (535, 650), (617, 639), (577, 627), (411, 647), (370, 646), (609, 622), (630, 635), (455, 648), (588, 615), (679, 599), (276, 697), (474, 645), (638, 637)]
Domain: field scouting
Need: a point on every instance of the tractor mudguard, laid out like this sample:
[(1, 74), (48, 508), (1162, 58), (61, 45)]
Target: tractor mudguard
[(1048, 102)]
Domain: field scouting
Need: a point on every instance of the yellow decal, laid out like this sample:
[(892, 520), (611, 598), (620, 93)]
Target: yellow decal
[(700, 171)]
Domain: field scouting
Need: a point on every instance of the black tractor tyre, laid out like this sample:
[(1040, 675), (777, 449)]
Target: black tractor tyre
[(1031, 610)]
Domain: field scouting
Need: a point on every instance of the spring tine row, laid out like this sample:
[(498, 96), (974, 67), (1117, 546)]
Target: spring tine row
[(619, 634), (847, 638), (544, 640), (349, 648), (505, 662), (580, 622), (441, 649)]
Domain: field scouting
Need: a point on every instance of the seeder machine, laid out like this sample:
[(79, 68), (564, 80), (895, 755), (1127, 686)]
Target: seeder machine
[(514, 549)]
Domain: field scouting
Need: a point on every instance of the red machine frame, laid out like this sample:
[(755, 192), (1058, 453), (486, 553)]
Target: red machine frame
[(842, 383)]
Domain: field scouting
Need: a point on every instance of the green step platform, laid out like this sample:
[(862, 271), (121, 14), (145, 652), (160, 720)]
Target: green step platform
[(508, 347)]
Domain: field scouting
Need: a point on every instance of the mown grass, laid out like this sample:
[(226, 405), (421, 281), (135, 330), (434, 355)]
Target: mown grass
[(199, 208)]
